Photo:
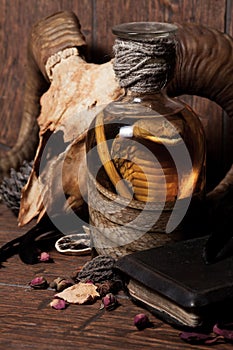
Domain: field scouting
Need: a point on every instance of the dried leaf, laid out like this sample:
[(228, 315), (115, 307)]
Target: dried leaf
[(80, 293)]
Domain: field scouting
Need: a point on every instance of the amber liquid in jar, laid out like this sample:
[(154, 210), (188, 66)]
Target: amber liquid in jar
[(157, 146)]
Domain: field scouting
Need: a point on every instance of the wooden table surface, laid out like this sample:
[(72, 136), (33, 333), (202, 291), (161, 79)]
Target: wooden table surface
[(28, 322)]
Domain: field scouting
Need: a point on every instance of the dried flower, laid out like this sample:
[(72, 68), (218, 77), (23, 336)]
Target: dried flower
[(104, 288), (10, 187), (39, 283), (220, 334), (109, 302), (109, 286), (89, 282), (58, 304), (53, 285), (44, 257), (197, 338), (59, 284), (141, 321), (226, 331), (202, 338)]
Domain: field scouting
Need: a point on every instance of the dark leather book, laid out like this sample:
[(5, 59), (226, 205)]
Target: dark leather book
[(176, 284)]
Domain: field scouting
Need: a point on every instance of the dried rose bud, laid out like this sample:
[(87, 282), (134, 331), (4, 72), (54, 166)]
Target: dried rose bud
[(58, 304), (141, 321), (53, 285), (44, 257), (109, 287), (39, 283), (109, 302), (104, 288), (59, 284), (89, 282)]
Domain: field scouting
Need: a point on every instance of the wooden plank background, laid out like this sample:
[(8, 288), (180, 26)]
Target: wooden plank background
[(97, 17)]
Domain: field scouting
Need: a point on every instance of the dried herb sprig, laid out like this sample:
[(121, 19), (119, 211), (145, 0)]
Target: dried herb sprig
[(98, 269)]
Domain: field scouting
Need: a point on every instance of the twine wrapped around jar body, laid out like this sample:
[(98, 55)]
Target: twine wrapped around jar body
[(145, 152)]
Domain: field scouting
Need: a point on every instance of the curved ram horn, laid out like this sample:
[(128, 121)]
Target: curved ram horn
[(28, 136), (205, 68), (49, 37), (41, 47), (204, 65)]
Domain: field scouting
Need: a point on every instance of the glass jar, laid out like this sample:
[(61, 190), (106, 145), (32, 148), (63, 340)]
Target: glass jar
[(145, 151)]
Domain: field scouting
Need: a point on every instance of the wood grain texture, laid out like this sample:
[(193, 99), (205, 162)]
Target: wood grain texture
[(17, 19), (28, 322)]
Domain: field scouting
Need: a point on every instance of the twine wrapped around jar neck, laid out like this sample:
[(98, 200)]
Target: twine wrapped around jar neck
[(144, 66)]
